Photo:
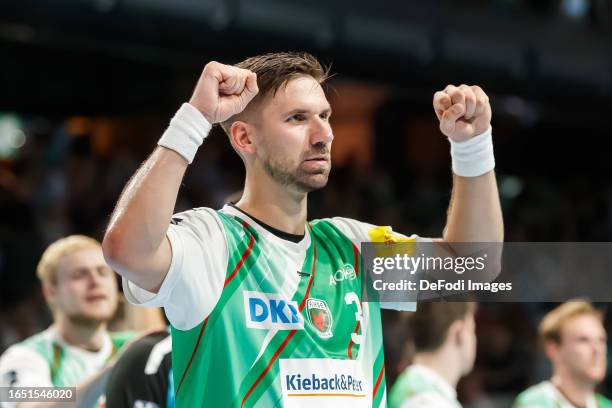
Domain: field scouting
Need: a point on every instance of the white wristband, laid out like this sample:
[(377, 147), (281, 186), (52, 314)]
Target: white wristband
[(186, 132), (473, 157)]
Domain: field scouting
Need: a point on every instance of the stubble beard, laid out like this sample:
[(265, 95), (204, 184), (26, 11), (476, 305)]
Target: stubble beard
[(295, 178)]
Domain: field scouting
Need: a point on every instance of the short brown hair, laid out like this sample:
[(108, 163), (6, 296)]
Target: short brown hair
[(275, 70), (552, 324), (430, 323), (47, 267)]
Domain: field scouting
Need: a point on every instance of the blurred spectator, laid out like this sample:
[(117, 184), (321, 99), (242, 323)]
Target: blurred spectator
[(574, 340), (444, 336), (81, 291)]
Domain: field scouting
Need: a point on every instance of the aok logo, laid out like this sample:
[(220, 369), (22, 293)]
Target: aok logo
[(346, 272), (271, 311)]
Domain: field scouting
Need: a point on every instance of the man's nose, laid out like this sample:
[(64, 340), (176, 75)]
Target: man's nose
[(321, 131), (94, 277)]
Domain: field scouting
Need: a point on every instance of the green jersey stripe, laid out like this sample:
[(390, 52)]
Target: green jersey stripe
[(350, 346), (240, 263), (227, 281), (58, 353), (276, 340), (195, 349), (272, 361), (358, 325), (292, 333), (312, 273), (378, 392), (378, 380)]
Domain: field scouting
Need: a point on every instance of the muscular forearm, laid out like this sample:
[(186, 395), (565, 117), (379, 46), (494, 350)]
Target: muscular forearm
[(135, 243), (474, 213)]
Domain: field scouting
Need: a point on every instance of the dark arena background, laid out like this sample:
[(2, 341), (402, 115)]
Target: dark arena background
[(88, 86)]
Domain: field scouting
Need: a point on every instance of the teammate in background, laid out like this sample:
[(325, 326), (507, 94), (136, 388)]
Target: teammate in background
[(81, 291), (445, 342), (574, 340), (142, 377), (255, 318)]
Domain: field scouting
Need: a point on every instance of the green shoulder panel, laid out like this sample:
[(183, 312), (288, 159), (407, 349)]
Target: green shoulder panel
[(41, 344), (406, 386), (399, 391), (120, 339), (542, 396), (603, 402), (538, 395)]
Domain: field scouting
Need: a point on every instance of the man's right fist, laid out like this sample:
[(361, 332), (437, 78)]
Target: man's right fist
[(223, 91)]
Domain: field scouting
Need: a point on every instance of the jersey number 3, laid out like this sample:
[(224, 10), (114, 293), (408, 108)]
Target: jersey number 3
[(351, 297)]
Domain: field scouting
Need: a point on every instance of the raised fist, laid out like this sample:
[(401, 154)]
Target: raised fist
[(463, 111), (223, 91)]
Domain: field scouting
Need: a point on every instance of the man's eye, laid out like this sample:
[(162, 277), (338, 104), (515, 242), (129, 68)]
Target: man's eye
[(105, 271), (297, 117), (79, 274)]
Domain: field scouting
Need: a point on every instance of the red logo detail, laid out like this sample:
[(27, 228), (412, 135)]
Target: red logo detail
[(318, 318)]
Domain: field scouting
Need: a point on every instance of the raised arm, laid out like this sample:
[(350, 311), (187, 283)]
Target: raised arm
[(474, 213), (135, 243)]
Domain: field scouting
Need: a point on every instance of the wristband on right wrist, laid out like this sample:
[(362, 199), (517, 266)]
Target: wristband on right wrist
[(186, 132)]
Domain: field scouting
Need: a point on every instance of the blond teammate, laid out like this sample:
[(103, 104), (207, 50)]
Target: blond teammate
[(81, 291), (574, 340)]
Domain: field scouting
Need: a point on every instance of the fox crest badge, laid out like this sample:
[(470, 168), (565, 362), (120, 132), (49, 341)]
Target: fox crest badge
[(320, 317)]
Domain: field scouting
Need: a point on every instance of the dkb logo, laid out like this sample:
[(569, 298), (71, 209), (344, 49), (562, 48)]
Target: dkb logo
[(271, 311)]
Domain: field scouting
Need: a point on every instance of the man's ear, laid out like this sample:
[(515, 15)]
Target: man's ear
[(241, 135), (455, 332), (551, 349), (50, 293)]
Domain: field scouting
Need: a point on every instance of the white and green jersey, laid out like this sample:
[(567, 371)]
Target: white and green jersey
[(546, 395), (420, 387), (46, 360), (258, 320)]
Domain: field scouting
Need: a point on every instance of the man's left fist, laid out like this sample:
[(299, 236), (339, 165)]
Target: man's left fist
[(463, 111)]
